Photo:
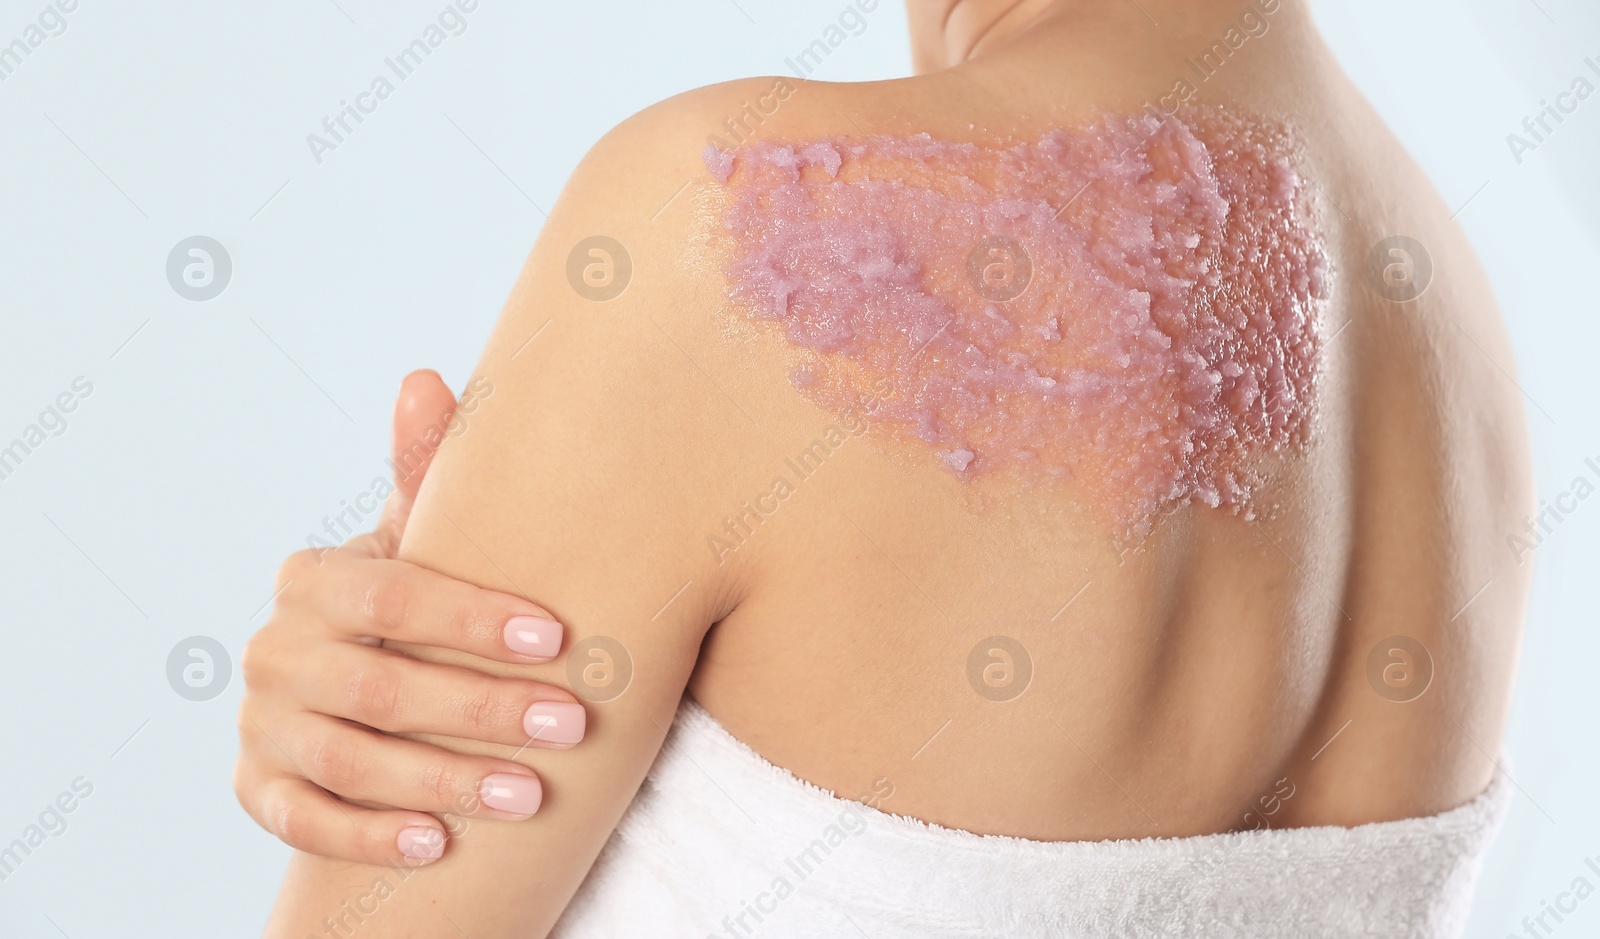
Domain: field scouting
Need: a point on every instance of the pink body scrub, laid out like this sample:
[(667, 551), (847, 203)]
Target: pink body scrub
[(1133, 309)]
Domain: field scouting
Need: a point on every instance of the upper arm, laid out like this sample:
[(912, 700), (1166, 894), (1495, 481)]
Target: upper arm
[(588, 477)]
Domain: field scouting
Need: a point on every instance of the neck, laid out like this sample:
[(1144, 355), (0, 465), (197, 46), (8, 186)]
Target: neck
[(946, 33)]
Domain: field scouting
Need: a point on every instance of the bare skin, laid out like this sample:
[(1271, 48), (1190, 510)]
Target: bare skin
[(1222, 655), (1173, 686)]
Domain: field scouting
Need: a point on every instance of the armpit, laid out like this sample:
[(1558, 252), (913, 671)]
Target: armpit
[(1134, 306)]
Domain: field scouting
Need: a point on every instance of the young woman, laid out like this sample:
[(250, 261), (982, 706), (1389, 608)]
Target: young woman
[(1060, 493)]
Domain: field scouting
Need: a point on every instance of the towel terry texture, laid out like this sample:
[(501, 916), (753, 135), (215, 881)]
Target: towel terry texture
[(721, 843)]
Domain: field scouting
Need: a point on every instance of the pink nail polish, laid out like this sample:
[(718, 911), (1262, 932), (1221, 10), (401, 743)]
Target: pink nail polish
[(555, 722), (533, 636), (421, 842), (508, 792)]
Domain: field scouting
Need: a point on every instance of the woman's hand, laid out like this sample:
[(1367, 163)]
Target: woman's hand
[(316, 762)]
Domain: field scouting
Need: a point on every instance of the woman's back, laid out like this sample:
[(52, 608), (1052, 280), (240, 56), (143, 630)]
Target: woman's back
[(965, 569), (1004, 659)]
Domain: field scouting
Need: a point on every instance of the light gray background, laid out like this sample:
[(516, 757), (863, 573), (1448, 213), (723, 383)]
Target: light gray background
[(219, 434)]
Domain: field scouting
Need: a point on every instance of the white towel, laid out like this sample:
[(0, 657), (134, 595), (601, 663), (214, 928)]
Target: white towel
[(721, 843)]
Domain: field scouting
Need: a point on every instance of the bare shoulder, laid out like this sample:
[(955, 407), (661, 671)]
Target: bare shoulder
[(621, 411)]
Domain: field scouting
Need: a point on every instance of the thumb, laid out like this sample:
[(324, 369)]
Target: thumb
[(421, 412)]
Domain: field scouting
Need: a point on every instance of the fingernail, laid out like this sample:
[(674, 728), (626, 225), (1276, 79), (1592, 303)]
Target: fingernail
[(508, 792), (555, 722), (533, 636), (421, 842)]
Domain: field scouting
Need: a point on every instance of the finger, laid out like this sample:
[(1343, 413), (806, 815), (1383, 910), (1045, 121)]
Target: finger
[(422, 413), (391, 527), (360, 765), (361, 597), (372, 545), (395, 693), (307, 818)]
